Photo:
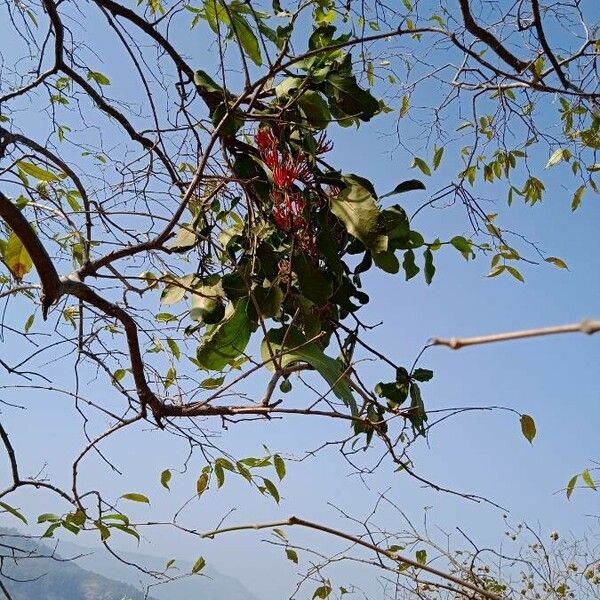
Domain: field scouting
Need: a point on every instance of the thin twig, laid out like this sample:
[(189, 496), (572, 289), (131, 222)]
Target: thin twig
[(589, 326)]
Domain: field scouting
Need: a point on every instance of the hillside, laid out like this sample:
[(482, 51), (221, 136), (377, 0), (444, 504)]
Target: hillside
[(36, 575), (95, 575)]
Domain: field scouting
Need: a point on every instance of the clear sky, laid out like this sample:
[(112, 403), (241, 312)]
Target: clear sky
[(555, 380)]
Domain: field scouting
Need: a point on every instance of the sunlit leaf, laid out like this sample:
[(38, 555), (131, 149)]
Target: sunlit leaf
[(198, 565), (13, 511), (16, 257), (587, 478), (201, 484), (279, 464), (136, 498), (528, 427), (165, 477), (571, 485)]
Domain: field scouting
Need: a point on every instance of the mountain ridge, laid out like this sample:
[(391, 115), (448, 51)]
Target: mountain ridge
[(67, 571)]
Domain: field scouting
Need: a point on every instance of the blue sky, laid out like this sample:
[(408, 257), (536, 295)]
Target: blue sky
[(555, 380)]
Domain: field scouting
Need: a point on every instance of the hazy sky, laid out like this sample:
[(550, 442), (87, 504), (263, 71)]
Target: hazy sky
[(555, 380)]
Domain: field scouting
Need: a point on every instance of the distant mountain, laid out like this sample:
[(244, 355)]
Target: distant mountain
[(94, 574), (36, 575), (210, 585)]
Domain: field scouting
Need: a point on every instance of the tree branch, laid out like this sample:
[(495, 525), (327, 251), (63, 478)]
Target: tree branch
[(490, 39), (589, 326), (537, 21), (400, 559), (51, 285)]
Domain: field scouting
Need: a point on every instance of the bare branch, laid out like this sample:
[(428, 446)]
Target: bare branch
[(588, 326)]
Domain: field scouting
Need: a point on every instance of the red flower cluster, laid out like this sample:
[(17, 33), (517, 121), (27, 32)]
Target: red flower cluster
[(289, 205)]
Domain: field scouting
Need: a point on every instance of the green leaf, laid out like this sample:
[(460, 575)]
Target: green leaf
[(37, 172), (72, 196), (50, 531), (421, 165), (515, 273), (528, 427), (437, 157), (212, 383), (219, 474), (387, 261), (117, 517), (370, 74), (205, 82), (99, 78), (284, 89), (279, 466), (429, 266), (136, 498), (174, 348), (207, 310), (347, 98), (422, 375), (322, 591), (13, 511), (48, 518), (496, 271), (314, 282), (587, 478), (421, 556), (227, 340), (226, 464), (405, 106), (70, 527), (198, 565), (246, 37), (29, 323), (119, 374), (170, 377), (577, 197), (571, 485), (201, 484), (207, 304), (561, 264), (315, 108), (185, 239), (16, 257), (406, 186), (298, 349), (78, 517), (355, 206), (175, 292), (104, 531), (558, 156), (269, 300), (165, 477), (409, 265), (417, 415), (461, 244), (270, 487), (292, 555)]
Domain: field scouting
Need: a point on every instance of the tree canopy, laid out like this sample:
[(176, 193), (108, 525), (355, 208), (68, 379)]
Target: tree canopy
[(176, 223)]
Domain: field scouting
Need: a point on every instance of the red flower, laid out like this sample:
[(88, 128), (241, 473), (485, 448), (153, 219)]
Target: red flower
[(290, 169), (323, 144), (286, 167), (288, 209), (265, 138), (284, 174), (267, 146)]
